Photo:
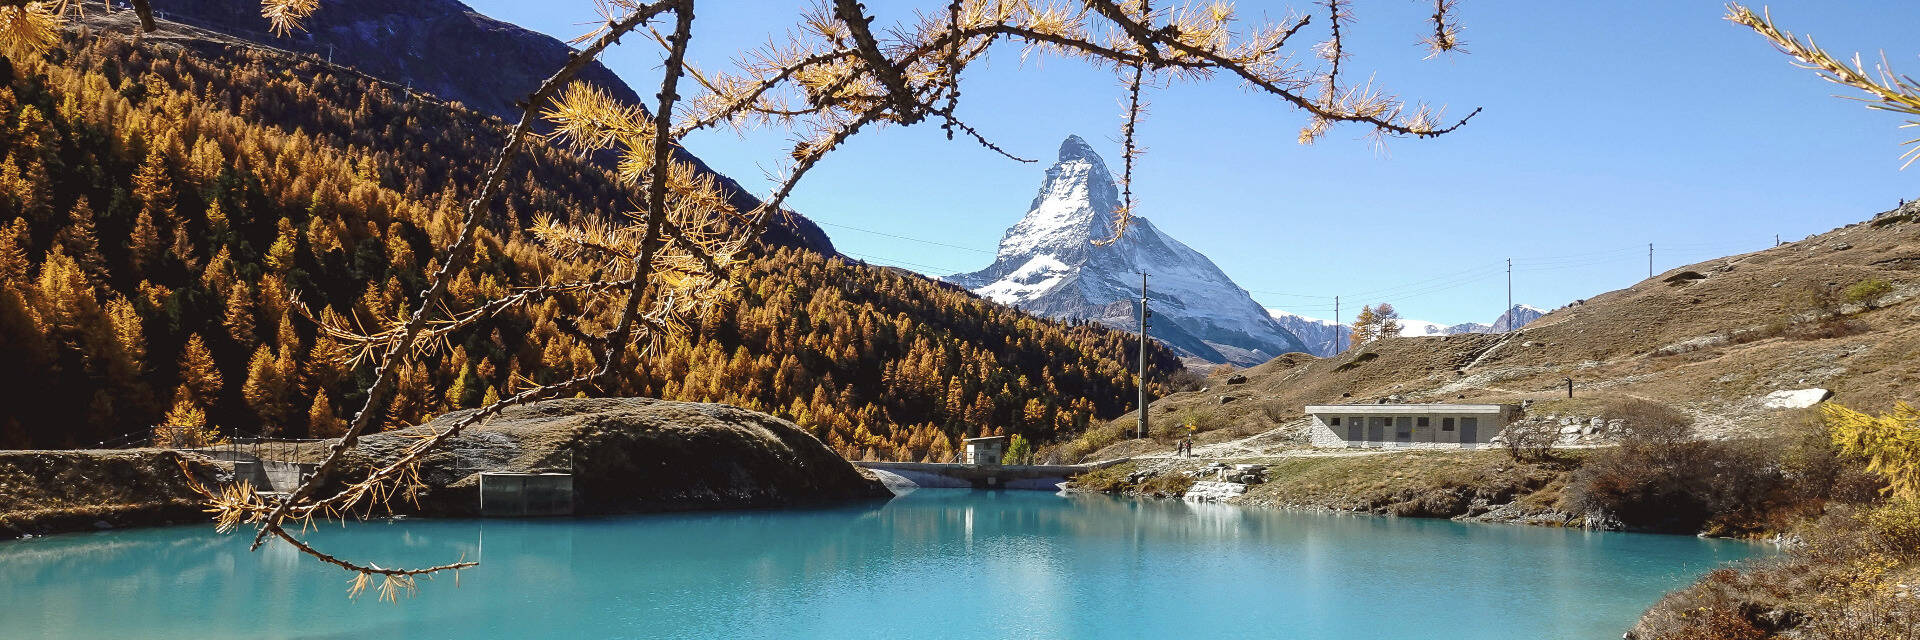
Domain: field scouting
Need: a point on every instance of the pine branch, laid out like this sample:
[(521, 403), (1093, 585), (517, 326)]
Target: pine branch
[(457, 255), (906, 109)]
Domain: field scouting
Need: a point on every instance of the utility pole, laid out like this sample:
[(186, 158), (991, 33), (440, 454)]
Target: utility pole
[(1336, 322), (1776, 239), (1509, 309), (1144, 314), (1649, 261)]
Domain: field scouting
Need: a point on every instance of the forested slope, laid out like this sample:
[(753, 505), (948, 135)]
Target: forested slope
[(147, 270)]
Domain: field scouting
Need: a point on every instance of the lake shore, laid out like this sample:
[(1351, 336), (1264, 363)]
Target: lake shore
[(1472, 486)]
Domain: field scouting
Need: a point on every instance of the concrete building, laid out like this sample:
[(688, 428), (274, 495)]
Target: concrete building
[(1408, 426), (986, 451)]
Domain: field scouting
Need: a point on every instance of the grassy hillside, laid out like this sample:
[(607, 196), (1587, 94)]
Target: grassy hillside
[(1711, 338)]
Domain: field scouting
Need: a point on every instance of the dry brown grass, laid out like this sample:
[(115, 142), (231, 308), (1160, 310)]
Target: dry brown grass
[(1420, 483), (1727, 336), (47, 491)]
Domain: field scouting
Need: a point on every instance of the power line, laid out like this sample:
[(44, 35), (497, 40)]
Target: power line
[(901, 237), (897, 262)]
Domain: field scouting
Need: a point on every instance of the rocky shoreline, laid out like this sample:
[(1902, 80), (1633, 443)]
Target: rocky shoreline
[(626, 455), (1473, 487)]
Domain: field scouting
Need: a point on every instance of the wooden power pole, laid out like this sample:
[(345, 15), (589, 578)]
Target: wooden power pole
[(1342, 328), (1144, 314)]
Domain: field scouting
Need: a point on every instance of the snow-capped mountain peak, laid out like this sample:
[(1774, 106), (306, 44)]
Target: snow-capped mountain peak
[(1047, 264), (1324, 338)]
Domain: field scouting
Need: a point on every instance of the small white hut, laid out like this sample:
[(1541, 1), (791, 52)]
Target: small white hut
[(1408, 426), (986, 451)]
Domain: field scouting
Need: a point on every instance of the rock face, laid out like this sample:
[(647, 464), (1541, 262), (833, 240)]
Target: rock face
[(443, 48), (1323, 338), (1048, 265), (633, 455)]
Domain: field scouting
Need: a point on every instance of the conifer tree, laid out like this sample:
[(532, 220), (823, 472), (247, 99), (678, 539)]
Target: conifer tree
[(199, 378), (264, 390), (1389, 320), (321, 420), (82, 243), (143, 246)]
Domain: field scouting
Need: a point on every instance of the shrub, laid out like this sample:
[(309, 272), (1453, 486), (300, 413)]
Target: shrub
[(1275, 410), (1531, 439), (1095, 439), (1184, 379), (1867, 292), (1648, 421), (1895, 527), (1660, 478), (1167, 485), (1019, 451), (1820, 301)]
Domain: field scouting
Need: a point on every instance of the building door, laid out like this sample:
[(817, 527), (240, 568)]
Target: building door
[(1402, 431), (1376, 431), (1469, 433), (1356, 433)]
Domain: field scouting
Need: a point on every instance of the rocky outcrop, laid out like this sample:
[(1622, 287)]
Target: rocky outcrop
[(631, 455)]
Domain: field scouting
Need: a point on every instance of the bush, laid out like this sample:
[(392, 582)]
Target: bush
[(1276, 411), (1867, 292), (1019, 451), (1648, 421), (1895, 527), (1530, 440), (1827, 328), (1184, 379), (1662, 479)]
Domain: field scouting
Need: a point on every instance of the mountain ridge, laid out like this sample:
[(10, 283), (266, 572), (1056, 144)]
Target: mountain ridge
[(1325, 338), (433, 46)]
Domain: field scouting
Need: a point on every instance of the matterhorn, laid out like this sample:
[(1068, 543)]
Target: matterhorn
[(1048, 264)]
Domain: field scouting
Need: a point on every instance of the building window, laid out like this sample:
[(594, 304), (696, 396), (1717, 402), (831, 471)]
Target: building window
[(1423, 422), (1335, 423), (1446, 424)]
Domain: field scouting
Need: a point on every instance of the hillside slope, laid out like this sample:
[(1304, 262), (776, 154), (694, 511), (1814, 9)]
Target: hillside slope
[(427, 49), (1712, 338), (162, 202)]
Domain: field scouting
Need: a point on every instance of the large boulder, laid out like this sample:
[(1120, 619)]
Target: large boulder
[(629, 455), (1796, 398)]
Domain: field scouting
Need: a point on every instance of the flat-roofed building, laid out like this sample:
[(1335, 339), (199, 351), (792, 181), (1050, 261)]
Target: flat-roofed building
[(985, 451), (1408, 426)]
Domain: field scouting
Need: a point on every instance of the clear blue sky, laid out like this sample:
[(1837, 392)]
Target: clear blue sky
[(1606, 126)]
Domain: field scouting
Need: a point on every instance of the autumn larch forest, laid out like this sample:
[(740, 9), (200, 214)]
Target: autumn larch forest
[(173, 218)]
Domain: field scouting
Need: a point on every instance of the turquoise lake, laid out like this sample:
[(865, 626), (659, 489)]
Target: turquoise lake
[(931, 564)]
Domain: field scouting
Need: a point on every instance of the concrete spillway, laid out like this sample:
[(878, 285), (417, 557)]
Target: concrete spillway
[(526, 494)]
